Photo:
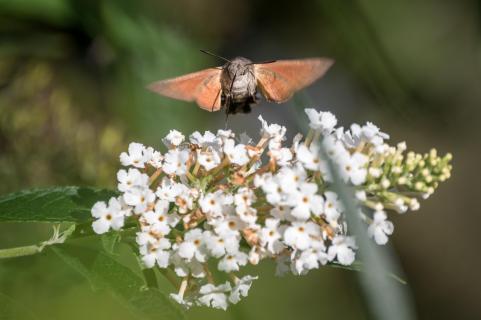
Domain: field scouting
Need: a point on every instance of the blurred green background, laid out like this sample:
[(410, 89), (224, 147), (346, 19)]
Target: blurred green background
[(72, 96)]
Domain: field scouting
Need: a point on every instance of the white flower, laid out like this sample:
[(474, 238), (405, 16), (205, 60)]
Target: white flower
[(151, 236), (282, 265), (175, 162), (209, 158), (185, 199), (274, 132), (367, 133), (311, 258), (173, 139), (237, 154), (229, 225), (342, 248), (148, 153), (111, 216), (241, 288), (140, 199), (131, 179), (156, 158), (271, 130), (214, 296), (192, 246), (414, 204), (290, 178), (243, 200), (205, 140), (183, 268), (332, 206), (353, 168), (278, 187), (309, 157), (245, 139), (135, 157), (255, 255), (306, 201), (213, 203), (273, 189), (282, 156), (223, 135), (371, 132), (187, 303), (360, 195), (159, 257), (299, 234), (270, 236), (231, 262), (153, 254), (170, 190), (334, 148), (159, 219), (256, 200), (282, 213), (218, 245), (321, 121), (380, 228)]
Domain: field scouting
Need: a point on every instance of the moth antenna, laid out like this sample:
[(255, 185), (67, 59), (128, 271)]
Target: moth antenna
[(214, 55), (265, 62)]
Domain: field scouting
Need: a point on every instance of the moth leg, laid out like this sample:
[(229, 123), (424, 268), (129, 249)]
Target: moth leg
[(246, 108), (256, 97), (213, 103), (227, 106), (223, 99), (228, 103)]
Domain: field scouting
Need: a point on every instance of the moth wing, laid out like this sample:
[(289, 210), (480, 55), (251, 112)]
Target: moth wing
[(203, 87), (279, 80)]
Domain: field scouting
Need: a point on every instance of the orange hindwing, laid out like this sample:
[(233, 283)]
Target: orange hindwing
[(279, 80), (203, 87)]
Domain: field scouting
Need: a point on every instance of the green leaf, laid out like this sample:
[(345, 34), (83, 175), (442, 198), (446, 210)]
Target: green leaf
[(109, 240), (11, 309), (56, 204), (357, 266), (80, 263), (103, 271)]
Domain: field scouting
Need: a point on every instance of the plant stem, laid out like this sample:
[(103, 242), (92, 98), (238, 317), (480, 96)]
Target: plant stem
[(20, 251), (57, 237)]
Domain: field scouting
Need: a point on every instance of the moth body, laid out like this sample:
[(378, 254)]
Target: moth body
[(238, 83)]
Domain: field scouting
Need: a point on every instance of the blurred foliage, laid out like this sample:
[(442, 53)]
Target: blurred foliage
[(72, 79), (45, 140)]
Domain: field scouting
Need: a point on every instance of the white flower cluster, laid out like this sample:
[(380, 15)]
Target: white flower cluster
[(212, 201)]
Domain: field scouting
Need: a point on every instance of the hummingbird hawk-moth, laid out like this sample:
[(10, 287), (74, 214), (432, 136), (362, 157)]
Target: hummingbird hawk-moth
[(237, 84)]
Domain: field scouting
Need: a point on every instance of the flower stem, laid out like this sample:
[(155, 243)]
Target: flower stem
[(310, 136), (183, 287), (196, 168), (208, 274), (154, 176)]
